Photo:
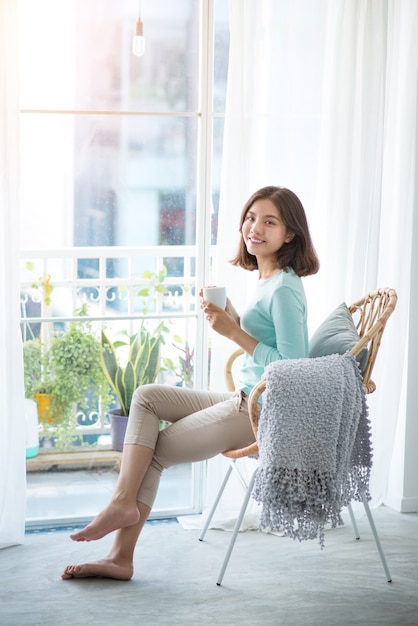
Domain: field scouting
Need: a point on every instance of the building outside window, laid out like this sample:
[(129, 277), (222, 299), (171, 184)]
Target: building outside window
[(121, 159)]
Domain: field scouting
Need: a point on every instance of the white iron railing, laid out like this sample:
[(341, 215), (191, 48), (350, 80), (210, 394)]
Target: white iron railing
[(109, 282)]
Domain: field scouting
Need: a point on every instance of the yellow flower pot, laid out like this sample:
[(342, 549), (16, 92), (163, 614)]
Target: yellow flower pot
[(43, 400)]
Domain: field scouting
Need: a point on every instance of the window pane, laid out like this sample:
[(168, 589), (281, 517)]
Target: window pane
[(108, 180), (218, 129), (221, 55), (77, 54)]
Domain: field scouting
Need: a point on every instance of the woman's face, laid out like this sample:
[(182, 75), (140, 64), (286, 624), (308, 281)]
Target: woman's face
[(264, 231)]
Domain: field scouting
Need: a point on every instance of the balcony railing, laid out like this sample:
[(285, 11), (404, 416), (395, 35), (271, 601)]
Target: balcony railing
[(118, 287)]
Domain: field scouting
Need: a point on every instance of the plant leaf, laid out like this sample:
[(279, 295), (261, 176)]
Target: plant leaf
[(110, 364), (121, 391), (141, 356), (153, 365), (129, 385)]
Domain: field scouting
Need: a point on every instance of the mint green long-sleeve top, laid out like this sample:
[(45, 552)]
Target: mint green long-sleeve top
[(276, 317)]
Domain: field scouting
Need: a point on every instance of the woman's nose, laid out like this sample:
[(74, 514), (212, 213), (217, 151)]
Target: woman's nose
[(256, 227)]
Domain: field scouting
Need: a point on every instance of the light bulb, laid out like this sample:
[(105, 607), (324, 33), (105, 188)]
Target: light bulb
[(138, 42)]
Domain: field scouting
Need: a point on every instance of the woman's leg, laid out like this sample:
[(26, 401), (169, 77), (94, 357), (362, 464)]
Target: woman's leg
[(122, 510), (150, 404), (218, 423), (197, 437)]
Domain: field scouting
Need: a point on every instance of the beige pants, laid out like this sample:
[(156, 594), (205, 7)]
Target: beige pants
[(203, 424)]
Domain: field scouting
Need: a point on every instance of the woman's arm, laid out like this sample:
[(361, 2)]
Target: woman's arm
[(288, 317), (288, 313)]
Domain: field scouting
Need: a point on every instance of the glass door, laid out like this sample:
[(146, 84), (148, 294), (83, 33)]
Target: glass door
[(120, 169)]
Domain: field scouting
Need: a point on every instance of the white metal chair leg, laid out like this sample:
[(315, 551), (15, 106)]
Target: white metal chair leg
[(353, 522), (244, 508), (236, 528), (242, 480), (216, 502), (377, 540), (374, 532)]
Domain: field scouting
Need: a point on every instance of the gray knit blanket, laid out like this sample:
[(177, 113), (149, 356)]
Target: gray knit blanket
[(315, 445)]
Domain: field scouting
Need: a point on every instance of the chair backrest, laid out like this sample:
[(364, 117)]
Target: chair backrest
[(370, 315), (228, 373)]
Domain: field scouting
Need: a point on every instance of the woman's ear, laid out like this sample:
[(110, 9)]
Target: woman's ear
[(289, 237)]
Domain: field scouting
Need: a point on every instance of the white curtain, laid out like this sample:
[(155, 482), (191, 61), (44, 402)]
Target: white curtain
[(367, 182), (12, 419), (322, 98)]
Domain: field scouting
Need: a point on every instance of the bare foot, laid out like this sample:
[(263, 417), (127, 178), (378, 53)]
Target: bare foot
[(106, 568), (113, 517)]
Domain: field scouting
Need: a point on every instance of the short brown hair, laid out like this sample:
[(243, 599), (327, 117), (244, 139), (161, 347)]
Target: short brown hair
[(299, 253)]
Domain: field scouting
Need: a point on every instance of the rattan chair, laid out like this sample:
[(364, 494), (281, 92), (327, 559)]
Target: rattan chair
[(369, 315)]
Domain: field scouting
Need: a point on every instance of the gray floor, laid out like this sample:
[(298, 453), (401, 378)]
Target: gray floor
[(270, 580)]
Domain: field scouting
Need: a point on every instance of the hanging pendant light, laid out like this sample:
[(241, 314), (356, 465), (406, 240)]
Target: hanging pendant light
[(138, 41)]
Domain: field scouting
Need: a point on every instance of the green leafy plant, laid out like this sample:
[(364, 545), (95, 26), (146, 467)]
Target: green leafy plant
[(155, 287), (43, 284), (183, 365), (142, 363), (67, 367), (186, 365)]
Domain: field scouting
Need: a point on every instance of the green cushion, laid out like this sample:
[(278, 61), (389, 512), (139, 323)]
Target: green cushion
[(337, 335)]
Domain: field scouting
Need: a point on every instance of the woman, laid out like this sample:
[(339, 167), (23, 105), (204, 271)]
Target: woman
[(275, 240)]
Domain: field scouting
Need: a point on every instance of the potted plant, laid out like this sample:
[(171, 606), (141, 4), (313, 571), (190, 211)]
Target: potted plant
[(141, 365), (61, 372)]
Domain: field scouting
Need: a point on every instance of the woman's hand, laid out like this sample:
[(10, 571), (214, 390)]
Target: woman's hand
[(227, 323), (229, 307), (219, 319)]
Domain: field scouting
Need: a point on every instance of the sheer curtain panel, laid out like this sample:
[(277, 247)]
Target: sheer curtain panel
[(322, 98), (367, 204), (12, 419)]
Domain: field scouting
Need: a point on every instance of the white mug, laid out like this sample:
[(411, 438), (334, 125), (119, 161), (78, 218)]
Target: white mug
[(216, 295)]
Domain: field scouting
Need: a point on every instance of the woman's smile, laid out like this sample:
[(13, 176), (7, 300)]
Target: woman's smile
[(255, 240)]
